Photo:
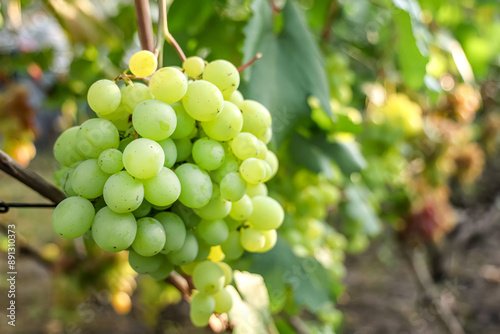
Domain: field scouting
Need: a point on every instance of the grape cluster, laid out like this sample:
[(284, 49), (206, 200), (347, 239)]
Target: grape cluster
[(172, 171)]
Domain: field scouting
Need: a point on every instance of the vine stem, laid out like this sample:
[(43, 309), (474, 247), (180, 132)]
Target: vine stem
[(253, 60), (144, 24), (168, 36)]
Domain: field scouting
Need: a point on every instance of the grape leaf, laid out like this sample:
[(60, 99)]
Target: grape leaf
[(291, 69)]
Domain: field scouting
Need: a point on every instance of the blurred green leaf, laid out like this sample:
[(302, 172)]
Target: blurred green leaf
[(358, 209)]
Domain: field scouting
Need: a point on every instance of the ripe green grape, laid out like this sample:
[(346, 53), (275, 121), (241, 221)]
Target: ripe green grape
[(216, 208), (113, 231), (271, 238), (245, 145), (143, 63), (150, 237), (185, 123), (226, 125), (232, 246), (119, 117), (175, 231), (256, 118), (208, 153), (241, 209), (229, 165), (110, 161), (143, 158), (228, 272), (272, 161), (262, 150), (267, 213), (168, 84), (187, 215), (256, 190), (184, 147), (202, 306), (134, 94), (96, 135), (208, 277), (196, 186), (224, 75), (162, 189), (170, 151), (143, 210), (253, 170), (194, 66), (144, 264), (163, 271), (73, 217), (124, 142), (187, 253), (203, 100), (104, 96), (88, 179), (122, 193), (66, 184), (252, 239), (154, 119), (236, 98), (65, 148), (212, 232), (203, 251), (223, 301), (232, 187)]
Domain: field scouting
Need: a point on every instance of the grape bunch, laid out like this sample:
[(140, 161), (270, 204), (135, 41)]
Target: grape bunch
[(172, 170)]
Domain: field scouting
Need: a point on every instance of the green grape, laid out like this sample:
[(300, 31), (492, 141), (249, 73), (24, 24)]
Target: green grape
[(184, 147), (123, 193), (187, 215), (208, 153), (228, 272), (268, 136), (88, 179), (110, 161), (252, 239), (229, 165), (120, 117), (175, 231), (99, 203), (154, 119), (185, 123), (124, 142), (256, 118), (65, 150), (232, 187), (96, 135), (253, 170), (134, 94), (194, 66), (104, 96), (150, 237), (113, 231), (245, 145), (187, 253), (262, 150), (66, 184), (223, 301), (241, 209), (226, 125), (267, 213), (216, 208), (168, 84), (272, 161), (144, 264), (143, 210), (143, 63), (202, 306), (143, 158), (162, 189), (203, 100), (232, 224), (330, 193), (232, 246), (196, 186), (271, 238), (188, 268), (170, 151), (224, 75), (268, 172), (236, 98), (212, 232), (203, 251), (73, 217), (208, 277), (256, 190), (164, 271)]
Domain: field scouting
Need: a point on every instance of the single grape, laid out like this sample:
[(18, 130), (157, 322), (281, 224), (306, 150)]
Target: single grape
[(252, 239), (268, 136), (187, 215), (232, 246), (230, 165), (208, 153), (144, 264), (271, 238), (143, 158), (194, 66), (208, 277), (104, 96), (196, 186), (241, 209), (203, 100), (143, 63), (216, 208), (150, 237), (113, 231), (96, 135), (185, 123), (245, 145), (123, 193), (256, 118), (184, 147), (203, 251), (224, 75), (119, 118), (164, 271), (175, 231), (202, 306), (212, 232), (253, 170), (256, 190), (73, 217), (236, 98), (66, 184), (189, 268), (170, 151), (65, 148), (228, 272), (187, 253), (262, 150), (168, 84), (143, 210), (110, 161), (154, 119), (232, 187), (267, 213), (226, 125), (88, 179), (124, 142), (223, 301), (162, 189), (272, 160), (134, 94)]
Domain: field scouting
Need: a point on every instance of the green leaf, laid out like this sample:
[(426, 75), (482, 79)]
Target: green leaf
[(358, 209), (290, 71), (304, 153)]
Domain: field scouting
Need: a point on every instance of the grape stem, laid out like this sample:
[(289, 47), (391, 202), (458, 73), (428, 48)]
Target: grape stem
[(326, 32), (168, 36), (253, 60), (144, 24)]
